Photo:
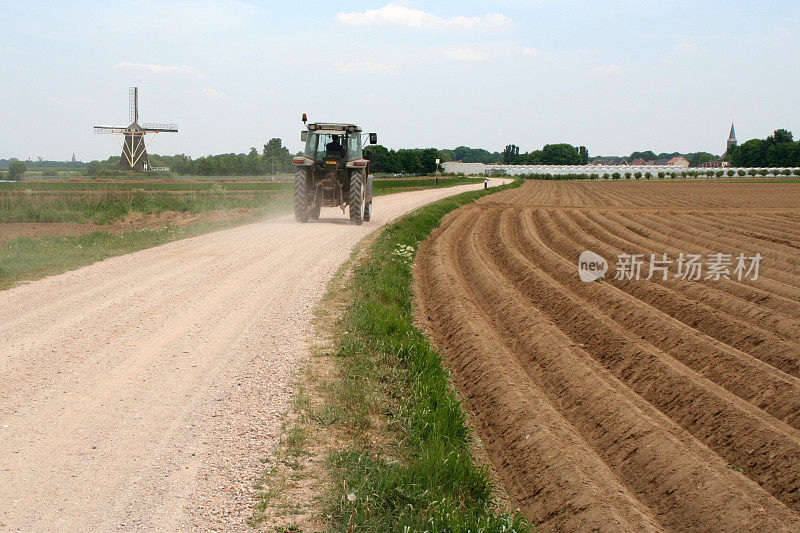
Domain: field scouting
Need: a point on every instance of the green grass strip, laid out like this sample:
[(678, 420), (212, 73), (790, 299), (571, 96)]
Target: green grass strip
[(33, 258), (425, 477)]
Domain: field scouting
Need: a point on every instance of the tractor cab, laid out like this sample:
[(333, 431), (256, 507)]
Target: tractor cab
[(321, 137)]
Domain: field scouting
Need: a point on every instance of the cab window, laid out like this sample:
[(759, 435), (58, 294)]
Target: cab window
[(353, 146)]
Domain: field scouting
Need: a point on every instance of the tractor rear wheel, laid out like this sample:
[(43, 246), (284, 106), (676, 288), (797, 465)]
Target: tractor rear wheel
[(357, 196), (314, 212), (368, 211), (301, 195)]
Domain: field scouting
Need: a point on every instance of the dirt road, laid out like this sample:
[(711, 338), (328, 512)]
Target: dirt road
[(663, 404), (141, 392)]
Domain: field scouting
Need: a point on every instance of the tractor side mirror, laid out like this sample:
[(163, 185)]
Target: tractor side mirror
[(303, 136), (373, 138)]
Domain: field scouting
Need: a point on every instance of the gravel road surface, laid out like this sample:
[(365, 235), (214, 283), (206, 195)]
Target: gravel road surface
[(141, 392)]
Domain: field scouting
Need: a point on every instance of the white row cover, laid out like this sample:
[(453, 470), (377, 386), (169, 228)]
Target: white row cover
[(601, 170)]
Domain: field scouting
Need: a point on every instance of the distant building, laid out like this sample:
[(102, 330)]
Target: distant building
[(732, 142), (678, 162), (638, 162), (457, 167), (715, 164), (73, 158)]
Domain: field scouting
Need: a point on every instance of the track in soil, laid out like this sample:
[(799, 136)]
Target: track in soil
[(627, 405)]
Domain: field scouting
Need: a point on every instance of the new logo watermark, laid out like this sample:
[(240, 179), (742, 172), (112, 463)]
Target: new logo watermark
[(591, 267), (692, 267)]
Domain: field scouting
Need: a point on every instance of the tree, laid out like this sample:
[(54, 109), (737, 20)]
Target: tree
[(380, 159), (560, 154), (475, 155), (777, 150), (780, 136), (584, 153), (253, 163), (277, 157), (16, 169), (698, 158), (511, 154), (647, 155), (428, 157)]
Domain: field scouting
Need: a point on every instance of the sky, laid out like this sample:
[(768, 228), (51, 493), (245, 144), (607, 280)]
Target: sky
[(615, 76)]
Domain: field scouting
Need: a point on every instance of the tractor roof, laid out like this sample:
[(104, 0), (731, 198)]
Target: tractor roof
[(333, 127)]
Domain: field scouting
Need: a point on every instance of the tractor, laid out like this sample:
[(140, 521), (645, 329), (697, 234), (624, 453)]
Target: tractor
[(332, 172)]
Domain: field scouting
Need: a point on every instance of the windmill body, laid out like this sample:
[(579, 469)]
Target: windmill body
[(134, 146)]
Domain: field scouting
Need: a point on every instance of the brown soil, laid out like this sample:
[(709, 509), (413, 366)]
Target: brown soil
[(14, 230), (627, 405)]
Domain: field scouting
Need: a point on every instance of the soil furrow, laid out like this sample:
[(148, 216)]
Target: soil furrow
[(731, 297), (738, 431), (667, 296), (665, 390), (770, 280), (684, 228), (748, 377), (558, 480)]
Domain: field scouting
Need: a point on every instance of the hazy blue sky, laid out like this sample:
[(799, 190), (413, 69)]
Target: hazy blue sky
[(613, 75)]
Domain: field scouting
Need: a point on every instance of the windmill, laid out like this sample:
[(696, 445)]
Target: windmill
[(134, 148)]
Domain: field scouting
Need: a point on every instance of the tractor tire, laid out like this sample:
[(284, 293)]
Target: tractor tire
[(301, 195), (314, 212), (368, 211), (357, 196)]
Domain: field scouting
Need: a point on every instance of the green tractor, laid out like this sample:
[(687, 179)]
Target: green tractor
[(332, 172)]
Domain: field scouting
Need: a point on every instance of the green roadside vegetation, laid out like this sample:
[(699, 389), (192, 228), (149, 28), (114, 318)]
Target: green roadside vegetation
[(103, 203), (203, 184), (108, 206), (400, 455), (30, 258), (33, 257)]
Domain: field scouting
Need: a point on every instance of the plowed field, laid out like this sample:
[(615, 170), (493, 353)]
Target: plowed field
[(627, 404)]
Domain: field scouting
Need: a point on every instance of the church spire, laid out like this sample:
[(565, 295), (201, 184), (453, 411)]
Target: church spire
[(731, 139)]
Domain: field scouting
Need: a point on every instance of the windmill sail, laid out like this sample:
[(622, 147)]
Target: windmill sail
[(133, 105)]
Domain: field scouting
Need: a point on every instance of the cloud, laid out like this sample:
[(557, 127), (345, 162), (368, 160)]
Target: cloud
[(689, 48), (365, 67), (466, 55), (607, 70), (529, 52), (159, 69), (396, 15), (213, 94)]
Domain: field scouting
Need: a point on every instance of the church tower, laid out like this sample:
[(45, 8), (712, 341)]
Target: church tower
[(731, 140)]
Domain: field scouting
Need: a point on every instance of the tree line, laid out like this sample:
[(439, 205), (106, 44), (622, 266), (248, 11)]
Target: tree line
[(695, 159), (273, 159), (550, 154), (778, 150)]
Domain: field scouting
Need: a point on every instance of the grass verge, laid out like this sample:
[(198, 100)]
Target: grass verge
[(400, 454), (25, 259), (103, 203)]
